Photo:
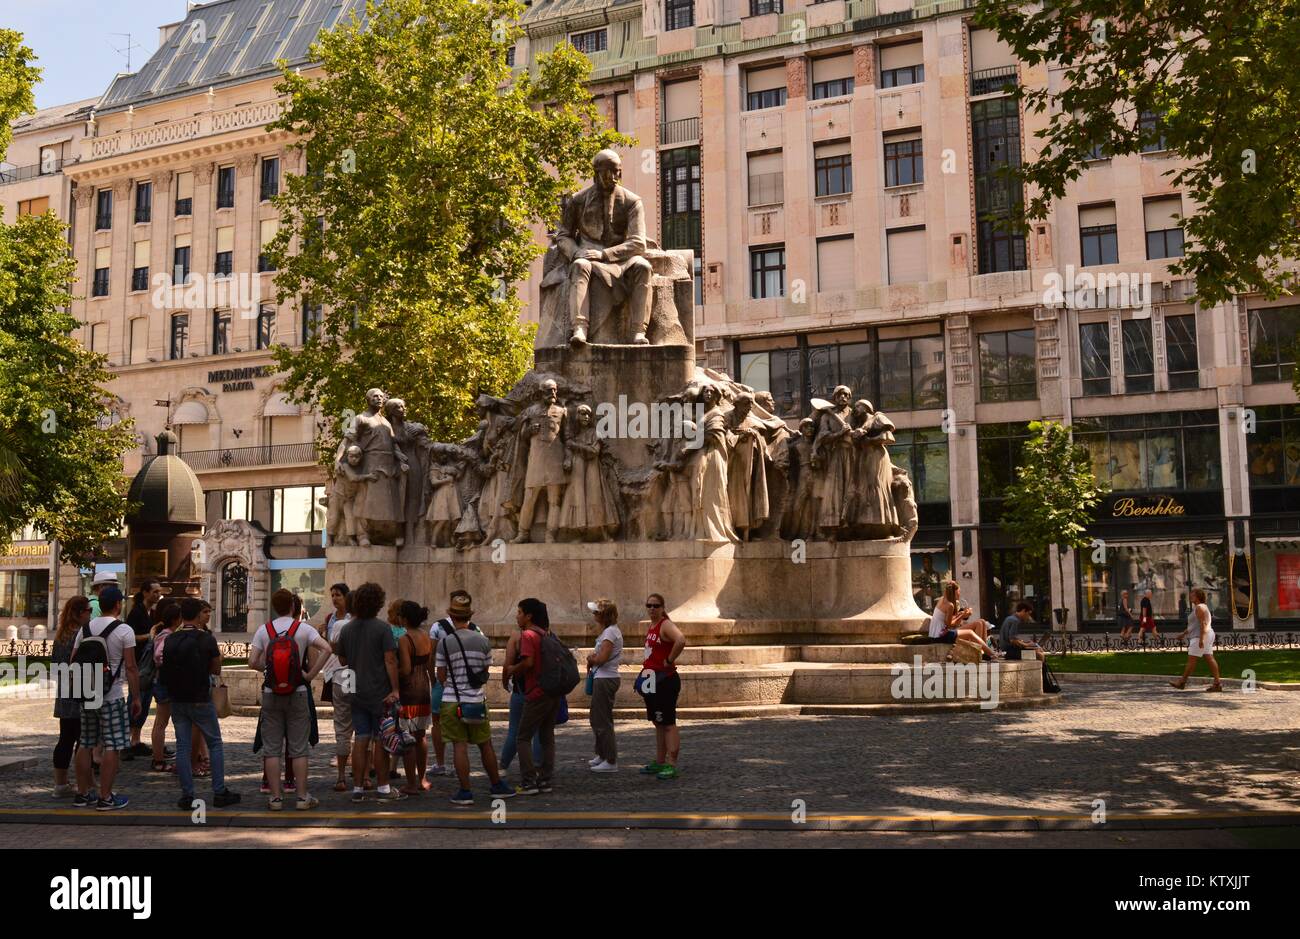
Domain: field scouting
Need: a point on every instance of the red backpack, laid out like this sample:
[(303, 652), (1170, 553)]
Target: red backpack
[(283, 664)]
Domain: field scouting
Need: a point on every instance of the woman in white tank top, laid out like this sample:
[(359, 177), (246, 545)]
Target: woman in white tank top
[(948, 623), (1201, 646)]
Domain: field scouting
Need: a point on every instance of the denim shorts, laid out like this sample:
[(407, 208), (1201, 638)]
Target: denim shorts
[(365, 724), (435, 696)]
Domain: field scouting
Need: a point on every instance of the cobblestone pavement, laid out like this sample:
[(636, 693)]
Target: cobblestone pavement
[(1140, 748)]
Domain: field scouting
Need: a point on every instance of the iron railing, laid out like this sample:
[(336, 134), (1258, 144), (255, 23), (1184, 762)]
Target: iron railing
[(988, 81), (240, 457), (1224, 640), (686, 130), (16, 174)]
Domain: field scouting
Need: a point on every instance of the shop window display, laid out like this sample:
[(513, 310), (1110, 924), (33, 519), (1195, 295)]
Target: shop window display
[(1169, 569), (1277, 579)]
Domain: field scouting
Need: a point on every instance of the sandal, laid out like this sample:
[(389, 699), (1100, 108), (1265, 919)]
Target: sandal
[(341, 786), (1180, 685), (202, 770), (162, 766), (1214, 687)]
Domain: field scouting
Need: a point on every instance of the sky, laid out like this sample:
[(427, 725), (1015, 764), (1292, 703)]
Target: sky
[(75, 45)]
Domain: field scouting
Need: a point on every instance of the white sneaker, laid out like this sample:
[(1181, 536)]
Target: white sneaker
[(604, 767), (595, 760), (436, 770)]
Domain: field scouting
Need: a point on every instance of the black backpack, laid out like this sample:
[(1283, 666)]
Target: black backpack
[(185, 668), (92, 653), (147, 667), (559, 674), (1050, 685)]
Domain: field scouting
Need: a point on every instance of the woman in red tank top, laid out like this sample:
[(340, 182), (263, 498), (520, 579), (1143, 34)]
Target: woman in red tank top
[(664, 643)]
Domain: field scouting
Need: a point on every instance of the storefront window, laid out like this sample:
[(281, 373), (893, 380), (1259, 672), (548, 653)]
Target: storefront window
[(307, 582), (929, 571), (1012, 575), (1277, 579), (24, 594), (298, 508), (1160, 451), (1169, 569), (1273, 450)]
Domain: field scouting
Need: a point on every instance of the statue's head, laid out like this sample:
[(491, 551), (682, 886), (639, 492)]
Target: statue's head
[(395, 408), (842, 395), (376, 397), (607, 169), (353, 455), (863, 408), (711, 395), (765, 400), (744, 403), (584, 415), (807, 427), (548, 390)]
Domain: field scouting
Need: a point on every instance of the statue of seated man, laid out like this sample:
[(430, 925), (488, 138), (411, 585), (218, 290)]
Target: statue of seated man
[(602, 234)]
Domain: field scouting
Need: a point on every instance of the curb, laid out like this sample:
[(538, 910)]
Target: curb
[(1193, 684)]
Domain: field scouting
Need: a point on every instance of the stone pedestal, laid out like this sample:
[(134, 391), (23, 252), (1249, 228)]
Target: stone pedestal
[(720, 594)]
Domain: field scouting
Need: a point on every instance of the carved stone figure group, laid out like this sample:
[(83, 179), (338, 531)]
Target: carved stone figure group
[(538, 468)]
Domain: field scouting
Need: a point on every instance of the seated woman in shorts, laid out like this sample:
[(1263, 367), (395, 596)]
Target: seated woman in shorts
[(949, 623)]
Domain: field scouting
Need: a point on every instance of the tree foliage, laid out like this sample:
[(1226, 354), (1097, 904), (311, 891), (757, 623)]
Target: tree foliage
[(1054, 493), (60, 458), (427, 165), (1223, 81)]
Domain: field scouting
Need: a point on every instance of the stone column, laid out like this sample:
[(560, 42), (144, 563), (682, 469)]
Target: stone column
[(160, 257), (202, 242)]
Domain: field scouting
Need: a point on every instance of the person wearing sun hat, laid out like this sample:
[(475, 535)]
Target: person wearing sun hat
[(460, 607), (603, 664), (99, 583)]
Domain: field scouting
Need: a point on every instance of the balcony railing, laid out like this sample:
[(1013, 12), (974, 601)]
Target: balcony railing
[(989, 81), (242, 457), (127, 140), (687, 130), (16, 174)]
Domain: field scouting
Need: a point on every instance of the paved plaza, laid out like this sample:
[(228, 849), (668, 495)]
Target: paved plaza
[(1216, 762)]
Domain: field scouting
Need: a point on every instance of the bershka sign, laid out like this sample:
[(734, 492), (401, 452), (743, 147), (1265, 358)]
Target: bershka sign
[(103, 892)]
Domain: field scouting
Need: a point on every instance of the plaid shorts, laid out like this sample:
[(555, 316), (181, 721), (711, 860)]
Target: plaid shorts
[(110, 725)]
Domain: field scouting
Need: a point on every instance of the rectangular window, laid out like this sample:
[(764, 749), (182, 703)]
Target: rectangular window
[(265, 326), (268, 228), (143, 203), (679, 14), (763, 7), (510, 57), (102, 261), (911, 373), (833, 169), (180, 335), (681, 101), (903, 163), (238, 505), (998, 448), (1008, 368), (181, 260), (1273, 457), (832, 76), (185, 193), (224, 263), (225, 187), (1164, 230), (766, 178), (901, 65), (923, 452), (835, 264), (103, 209), (595, 40), (1094, 354), (220, 332), (765, 88), (776, 371), (1273, 341), (767, 272), (995, 133), (312, 314), (679, 179), (1139, 358), (832, 360), (1159, 450), (140, 265), (297, 508), (34, 206), (1180, 352), (270, 183), (907, 256), (1151, 130), (1098, 241), (139, 339)]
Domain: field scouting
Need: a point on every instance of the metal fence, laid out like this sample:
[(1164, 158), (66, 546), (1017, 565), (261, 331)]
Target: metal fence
[(236, 457), (987, 81), (686, 130), (41, 648), (1225, 641)]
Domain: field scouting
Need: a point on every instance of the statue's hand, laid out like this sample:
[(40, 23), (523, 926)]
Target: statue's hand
[(568, 464), (591, 254)]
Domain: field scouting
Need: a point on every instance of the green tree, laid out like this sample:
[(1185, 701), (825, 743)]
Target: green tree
[(1223, 85), (428, 165), (60, 458), (1052, 498)]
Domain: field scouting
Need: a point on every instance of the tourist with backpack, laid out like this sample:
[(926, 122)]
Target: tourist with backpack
[(334, 691), (660, 685), (463, 659), (188, 663), (549, 672), (289, 653), (169, 619), (104, 655), (367, 647), (76, 614)]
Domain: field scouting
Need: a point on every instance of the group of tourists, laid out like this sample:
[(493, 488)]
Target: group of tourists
[(400, 686)]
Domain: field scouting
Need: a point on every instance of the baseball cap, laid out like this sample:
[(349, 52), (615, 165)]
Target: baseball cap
[(110, 597)]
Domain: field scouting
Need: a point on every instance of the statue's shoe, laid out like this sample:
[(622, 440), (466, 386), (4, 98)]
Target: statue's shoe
[(640, 340), (579, 338)]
